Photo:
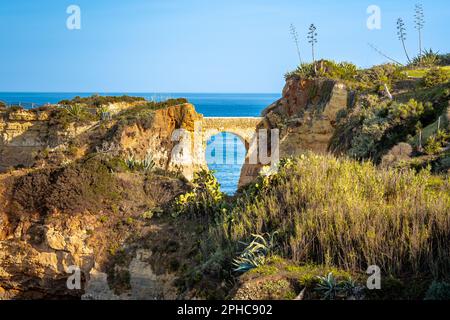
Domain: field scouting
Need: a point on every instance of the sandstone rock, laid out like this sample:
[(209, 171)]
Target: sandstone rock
[(144, 283), (158, 139), (97, 287), (306, 117), (264, 288)]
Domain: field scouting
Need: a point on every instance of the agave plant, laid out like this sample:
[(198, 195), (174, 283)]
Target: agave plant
[(75, 110), (131, 162), (428, 59), (148, 164), (348, 287), (255, 253), (328, 287)]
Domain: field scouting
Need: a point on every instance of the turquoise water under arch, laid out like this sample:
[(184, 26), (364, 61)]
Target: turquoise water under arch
[(225, 154)]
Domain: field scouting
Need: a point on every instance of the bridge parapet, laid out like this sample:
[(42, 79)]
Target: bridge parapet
[(243, 127)]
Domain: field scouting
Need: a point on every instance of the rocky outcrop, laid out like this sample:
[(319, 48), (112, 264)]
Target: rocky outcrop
[(144, 283), (30, 138), (306, 117), (158, 139), (53, 223), (21, 133), (35, 264), (88, 212), (25, 133), (306, 114)]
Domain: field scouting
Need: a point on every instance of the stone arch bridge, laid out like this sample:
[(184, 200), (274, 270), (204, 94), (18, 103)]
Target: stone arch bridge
[(189, 154), (243, 127)]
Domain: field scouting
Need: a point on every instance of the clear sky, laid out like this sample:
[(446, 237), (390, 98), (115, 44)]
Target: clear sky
[(194, 45)]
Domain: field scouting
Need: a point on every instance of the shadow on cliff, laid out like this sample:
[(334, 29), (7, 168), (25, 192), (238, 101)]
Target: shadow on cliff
[(53, 217)]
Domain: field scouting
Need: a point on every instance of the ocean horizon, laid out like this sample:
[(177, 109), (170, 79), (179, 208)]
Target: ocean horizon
[(208, 104)]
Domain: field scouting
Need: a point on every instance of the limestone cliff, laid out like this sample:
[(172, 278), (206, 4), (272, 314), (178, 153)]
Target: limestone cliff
[(36, 138), (306, 117), (73, 202), (22, 133), (158, 139), (85, 217)]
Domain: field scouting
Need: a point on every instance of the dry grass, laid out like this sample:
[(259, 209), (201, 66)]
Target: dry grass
[(351, 215), (420, 73)]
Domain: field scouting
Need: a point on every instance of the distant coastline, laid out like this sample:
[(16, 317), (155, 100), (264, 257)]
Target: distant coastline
[(209, 104)]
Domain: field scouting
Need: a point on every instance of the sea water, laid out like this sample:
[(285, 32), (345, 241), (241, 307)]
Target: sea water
[(209, 104)]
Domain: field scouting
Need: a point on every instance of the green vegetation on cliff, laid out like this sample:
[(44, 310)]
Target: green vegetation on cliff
[(390, 107), (98, 101), (85, 110), (338, 213)]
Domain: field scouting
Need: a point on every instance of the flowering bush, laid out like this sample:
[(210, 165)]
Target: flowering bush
[(205, 198)]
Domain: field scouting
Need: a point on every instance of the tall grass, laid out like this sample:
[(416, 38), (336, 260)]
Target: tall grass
[(350, 214)]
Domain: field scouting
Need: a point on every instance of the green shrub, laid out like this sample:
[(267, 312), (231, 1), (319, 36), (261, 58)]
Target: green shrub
[(444, 59), (436, 142), (370, 131), (438, 291), (434, 77), (305, 70), (205, 200), (411, 110), (98, 101), (143, 113), (68, 114), (432, 146), (346, 71), (375, 78), (353, 214)]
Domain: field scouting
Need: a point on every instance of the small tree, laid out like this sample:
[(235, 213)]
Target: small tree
[(312, 39), (419, 20), (401, 32), (295, 37)]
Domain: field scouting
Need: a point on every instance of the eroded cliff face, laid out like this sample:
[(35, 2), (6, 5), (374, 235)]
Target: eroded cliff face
[(34, 138), (82, 217), (306, 117), (77, 208), (159, 140), (306, 114), (22, 133)]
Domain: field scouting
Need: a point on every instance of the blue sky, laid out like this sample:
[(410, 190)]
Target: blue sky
[(193, 45)]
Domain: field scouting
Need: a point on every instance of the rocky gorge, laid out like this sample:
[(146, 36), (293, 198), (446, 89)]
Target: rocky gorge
[(48, 222), (64, 205), (95, 188)]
